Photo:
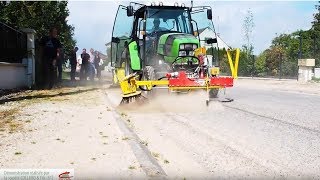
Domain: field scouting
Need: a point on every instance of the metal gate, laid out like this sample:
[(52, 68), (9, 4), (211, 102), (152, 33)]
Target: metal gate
[(13, 44)]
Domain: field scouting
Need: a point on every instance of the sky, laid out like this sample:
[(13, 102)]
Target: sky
[(93, 20)]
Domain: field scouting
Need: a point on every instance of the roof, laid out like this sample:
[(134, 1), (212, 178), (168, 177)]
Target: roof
[(201, 30), (221, 42)]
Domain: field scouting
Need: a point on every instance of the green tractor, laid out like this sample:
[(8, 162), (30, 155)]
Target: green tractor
[(153, 40)]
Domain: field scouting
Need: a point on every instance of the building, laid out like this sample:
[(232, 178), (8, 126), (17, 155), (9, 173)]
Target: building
[(207, 33)]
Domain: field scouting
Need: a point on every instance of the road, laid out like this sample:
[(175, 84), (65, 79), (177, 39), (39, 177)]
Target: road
[(270, 130)]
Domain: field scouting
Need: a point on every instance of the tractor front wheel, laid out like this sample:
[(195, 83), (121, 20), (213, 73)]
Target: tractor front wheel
[(148, 75)]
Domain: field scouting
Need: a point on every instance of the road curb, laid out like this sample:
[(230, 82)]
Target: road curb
[(147, 162), (261, 78)]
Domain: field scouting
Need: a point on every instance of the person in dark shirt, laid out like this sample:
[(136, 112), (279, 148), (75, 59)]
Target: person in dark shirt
[(85, 66), (50, 47), (73, 63), (97, 64)]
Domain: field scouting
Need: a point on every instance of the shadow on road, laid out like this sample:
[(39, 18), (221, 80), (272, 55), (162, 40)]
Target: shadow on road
[(43, 96)]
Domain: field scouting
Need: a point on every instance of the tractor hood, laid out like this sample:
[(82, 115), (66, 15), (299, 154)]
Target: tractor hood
[(172, 45)]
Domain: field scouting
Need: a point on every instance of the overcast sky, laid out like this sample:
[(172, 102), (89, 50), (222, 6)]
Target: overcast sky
[(93, 20)]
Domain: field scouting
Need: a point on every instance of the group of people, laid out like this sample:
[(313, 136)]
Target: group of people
[(90, 65), (53, 57)]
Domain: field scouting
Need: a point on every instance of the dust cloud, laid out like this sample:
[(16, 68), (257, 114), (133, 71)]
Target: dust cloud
[(164, 101)]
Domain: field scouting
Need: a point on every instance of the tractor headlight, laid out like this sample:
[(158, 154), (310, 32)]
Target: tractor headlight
[(181, 46), (194, 46), (182, 53), (160, 62)]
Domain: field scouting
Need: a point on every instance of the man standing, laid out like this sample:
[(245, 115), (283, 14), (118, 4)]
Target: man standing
[(50, 48), (85, 66), (60, 62), (91, 65), (97, 65), (73, 63)]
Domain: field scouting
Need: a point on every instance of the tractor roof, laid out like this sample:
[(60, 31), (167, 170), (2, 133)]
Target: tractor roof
[(140, 10)]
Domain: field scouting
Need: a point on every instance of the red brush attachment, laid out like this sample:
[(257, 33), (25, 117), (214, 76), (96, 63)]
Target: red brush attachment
[(180, 79)]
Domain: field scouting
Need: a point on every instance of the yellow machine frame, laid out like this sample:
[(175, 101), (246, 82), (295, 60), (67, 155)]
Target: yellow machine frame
[(129, 84)]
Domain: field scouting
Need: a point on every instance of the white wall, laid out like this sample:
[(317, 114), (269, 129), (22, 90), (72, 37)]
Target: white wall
[(12, 75), (317, 72)]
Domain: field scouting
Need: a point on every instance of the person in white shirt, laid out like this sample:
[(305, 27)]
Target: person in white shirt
[(92, 69)]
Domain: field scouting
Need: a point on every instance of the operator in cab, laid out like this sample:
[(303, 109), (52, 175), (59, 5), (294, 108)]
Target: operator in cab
[(156, 26)]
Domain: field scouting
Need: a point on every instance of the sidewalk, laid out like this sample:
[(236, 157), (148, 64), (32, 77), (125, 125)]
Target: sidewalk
[(70, 128)]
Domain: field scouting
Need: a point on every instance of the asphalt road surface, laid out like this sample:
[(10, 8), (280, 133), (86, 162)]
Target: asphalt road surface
[(268, 131)]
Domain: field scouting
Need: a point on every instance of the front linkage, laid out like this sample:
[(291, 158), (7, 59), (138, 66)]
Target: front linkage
[(180, 81)]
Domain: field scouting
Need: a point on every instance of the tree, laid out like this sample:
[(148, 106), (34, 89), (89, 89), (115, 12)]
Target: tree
[(284, 50), (260, 65), (248, 26), (246, 64), (40, 16)]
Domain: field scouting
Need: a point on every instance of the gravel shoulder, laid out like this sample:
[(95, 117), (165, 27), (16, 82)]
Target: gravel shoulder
[(68, 128)]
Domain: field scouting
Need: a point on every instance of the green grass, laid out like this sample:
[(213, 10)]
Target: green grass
[(144, 143), (156, 155), (125, 138), (17, 153), (316, 79), (132, 167), (65, 75)]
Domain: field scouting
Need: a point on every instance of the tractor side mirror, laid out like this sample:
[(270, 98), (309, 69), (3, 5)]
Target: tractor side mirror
[(195, 28), (209, 14), (115, 40), (142, 27), (211, 40), (129, 10)]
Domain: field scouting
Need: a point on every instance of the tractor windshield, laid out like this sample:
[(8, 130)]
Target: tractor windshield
[(175, 20)]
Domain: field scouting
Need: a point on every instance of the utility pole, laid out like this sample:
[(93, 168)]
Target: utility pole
[(314, 46), (300, 46), (280, 65)]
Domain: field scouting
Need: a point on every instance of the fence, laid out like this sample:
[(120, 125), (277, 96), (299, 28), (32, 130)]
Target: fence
[(13, 44)]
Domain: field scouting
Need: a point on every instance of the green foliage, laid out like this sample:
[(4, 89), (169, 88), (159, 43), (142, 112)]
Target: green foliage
[(260, 65), (246, 62), (40, 16), (316, 33), (283, 54), (314, 79)]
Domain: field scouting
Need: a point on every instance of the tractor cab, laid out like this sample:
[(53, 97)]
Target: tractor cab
[(154, 40)]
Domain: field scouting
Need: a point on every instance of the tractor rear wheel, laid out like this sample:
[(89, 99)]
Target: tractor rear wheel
[(213, 93)]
